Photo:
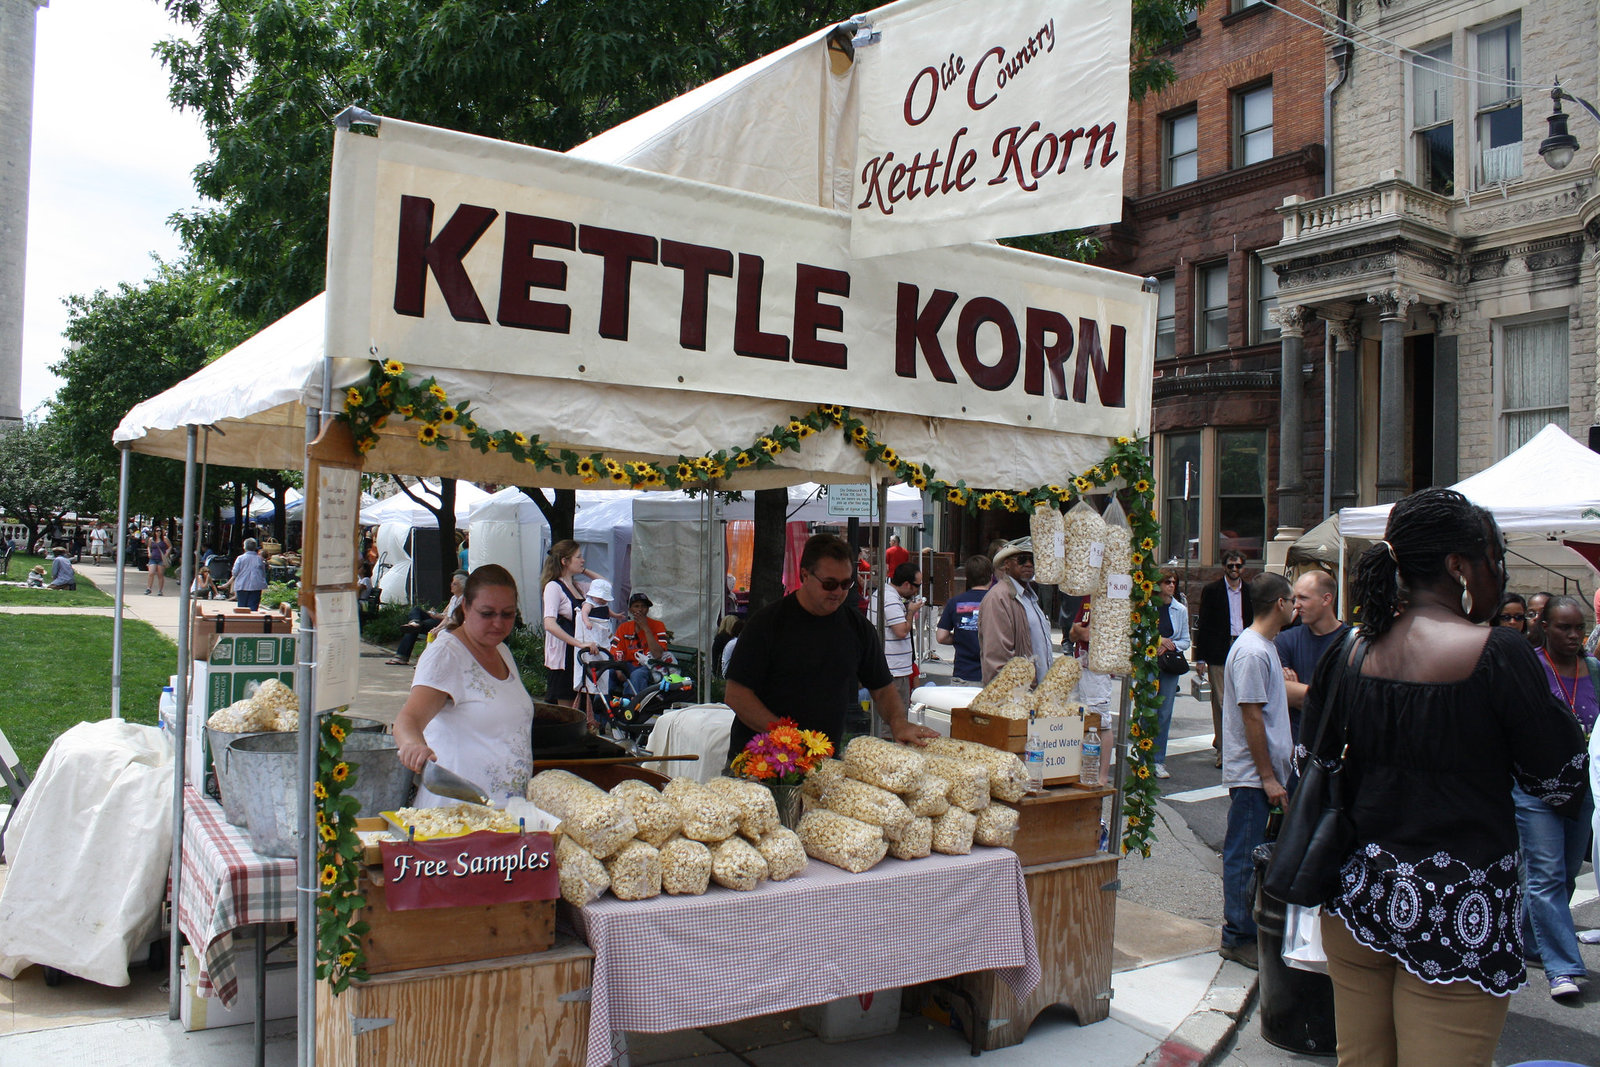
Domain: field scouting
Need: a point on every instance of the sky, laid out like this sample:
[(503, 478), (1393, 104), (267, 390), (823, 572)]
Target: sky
[(111, 163)]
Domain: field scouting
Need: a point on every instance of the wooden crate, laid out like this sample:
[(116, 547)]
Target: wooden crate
[(1074, 908), (432, 937), (524, 1009), (1058, 824), (1009, 735)]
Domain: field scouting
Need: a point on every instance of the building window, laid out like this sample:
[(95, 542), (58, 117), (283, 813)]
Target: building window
[(1252, 122), (1180, 154), (1240, 5), (1211, 307), (1432, 120), (1263, 298), (1242, 492), (1499, 114), (1180, 490), (1166, 317), (1534, 386)]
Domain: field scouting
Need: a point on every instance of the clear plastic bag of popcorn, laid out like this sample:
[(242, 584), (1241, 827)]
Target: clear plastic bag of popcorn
[(1048, 531), (758, 811), (820, 777), (952, 832), (635, 872), (1085, 534), (656, 817), (737, 864), (885, 764), (966, 781), (1011, 684), (847, 843), (916, 842), (996, 826), (930, 796), (706, 816), (1054, 695), (1008, 778), (1111, 610), (869, 804), (594, 818), (583, 878), (785, 855), (685, 867)]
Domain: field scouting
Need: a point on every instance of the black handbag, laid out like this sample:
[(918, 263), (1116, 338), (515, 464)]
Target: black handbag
[(1171, 661), (1318, 833)]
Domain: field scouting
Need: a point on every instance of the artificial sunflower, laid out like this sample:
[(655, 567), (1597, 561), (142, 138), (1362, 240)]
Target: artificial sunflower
[(1082, 484), (1148, 544), (346, 958), (352, 399), (336, 731), (365, 444), (1115, 470), (616, 473), (327, 832), (438, 392), (1144, 772), (341, 771), (1141, 486), (319, 791), (385, 389), (1145, 744), (428, 434), (519, 439), (768, 445), (406, 411), (956, 495), (890, 457), (716, 470), (393, 368), (1133, 730), (492, 444), (859, 434), (684, 471), (743, 459), (330, 874), (448, 415), (586, 470)]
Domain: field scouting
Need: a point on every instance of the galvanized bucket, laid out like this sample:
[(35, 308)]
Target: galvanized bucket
[(228, 785), (263, 766)]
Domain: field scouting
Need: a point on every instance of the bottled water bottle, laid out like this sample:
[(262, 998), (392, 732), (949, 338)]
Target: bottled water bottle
[(168, 708), (1089, 767), (1033, 757)]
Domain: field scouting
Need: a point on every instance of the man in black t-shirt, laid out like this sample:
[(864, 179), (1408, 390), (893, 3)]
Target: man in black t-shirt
[(806, 657)]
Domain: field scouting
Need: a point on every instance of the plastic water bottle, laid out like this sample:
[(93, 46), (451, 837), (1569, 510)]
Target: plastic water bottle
[(1033, 757), (1089, 766), (168, 708)]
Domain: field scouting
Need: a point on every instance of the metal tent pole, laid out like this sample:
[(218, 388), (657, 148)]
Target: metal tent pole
[(181, 731), (880, 498), (122, 575), (1120, 777)]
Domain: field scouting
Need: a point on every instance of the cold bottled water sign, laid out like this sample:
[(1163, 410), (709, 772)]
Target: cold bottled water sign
[(1062, 738)]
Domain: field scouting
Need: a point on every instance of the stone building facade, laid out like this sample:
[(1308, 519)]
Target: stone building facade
[(1210, 158), (1453, 267)]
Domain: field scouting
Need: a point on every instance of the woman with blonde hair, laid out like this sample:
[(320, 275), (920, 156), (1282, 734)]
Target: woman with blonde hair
[(468, 708), (562, 599)]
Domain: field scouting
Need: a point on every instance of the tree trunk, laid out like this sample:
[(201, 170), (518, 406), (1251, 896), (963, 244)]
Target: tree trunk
[(766, 564), (561, 514), (446, 514)]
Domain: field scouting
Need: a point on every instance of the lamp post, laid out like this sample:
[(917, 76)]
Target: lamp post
[(1559, 148)]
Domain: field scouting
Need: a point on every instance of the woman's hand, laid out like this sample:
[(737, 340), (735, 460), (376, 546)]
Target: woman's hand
[(416, 755), (590, 647), (1166, 645)]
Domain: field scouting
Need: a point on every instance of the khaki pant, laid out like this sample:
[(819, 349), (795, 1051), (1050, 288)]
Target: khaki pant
[(1388, 1017)]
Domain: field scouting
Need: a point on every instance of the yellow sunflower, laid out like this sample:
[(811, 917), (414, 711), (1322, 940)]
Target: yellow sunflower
[(890, 457), (327, 832), (1145, 744), (702, 463), (1137, 557), (1115, 470), (365, 444), (768, 445), (986, 501), (1141, 486), (858, 436), (352, 399), (492, 444), (428, 434), (393, 367), (956, 495), (617, 474), (1134, 730), (716, 470), (438, 392), (406, 411), (340, 772), (330, 874), (1123, 440), (519, 439), (336, 731), (1148, 544), (684, 471), (1082, 484), (448, 415), (743, 459), (319, 791), (322, 817), (1144, 772), (386, 389), (346, 958)]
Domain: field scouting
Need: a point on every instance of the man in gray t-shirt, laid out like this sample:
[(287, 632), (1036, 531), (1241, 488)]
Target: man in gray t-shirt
[(1256, 750)]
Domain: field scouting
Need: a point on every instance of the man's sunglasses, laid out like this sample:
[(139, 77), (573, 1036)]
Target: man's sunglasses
[(1233, 566), (1507, 616), (833, 585)]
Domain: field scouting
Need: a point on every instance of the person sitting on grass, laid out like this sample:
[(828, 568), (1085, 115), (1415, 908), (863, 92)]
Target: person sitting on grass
[(423, 621), (203, 588), (36, 577), (62, 576)]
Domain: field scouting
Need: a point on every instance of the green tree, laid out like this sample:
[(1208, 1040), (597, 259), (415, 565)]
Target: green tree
[(39, 483)]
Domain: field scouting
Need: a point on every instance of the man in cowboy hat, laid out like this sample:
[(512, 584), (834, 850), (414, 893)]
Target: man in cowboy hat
[(1010, 621)]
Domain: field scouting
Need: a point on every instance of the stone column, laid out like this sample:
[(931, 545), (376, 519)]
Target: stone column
[(17, 19), (1346, 412), (1292, 321), (1446, 394), (1393, 306)]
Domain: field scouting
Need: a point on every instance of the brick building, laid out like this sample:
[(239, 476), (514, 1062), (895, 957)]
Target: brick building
[(1210, 158)]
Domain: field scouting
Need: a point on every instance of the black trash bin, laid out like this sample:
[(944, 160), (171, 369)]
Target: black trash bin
[(1296, 1006)]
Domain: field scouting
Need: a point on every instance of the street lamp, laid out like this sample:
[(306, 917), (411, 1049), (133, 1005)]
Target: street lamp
[(1559, 148)]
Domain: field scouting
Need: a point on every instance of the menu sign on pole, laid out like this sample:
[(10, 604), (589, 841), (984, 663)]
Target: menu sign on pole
[(338, 649), (338, 498)]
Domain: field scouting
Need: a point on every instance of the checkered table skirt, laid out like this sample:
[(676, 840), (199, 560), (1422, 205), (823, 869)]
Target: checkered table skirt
[(226, 885), (673, 963)]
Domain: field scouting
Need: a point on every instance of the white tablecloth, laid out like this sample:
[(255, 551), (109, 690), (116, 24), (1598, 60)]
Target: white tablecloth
[(675, 963)]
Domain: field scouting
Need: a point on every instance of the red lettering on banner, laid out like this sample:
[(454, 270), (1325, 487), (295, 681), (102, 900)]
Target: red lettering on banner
[(698, 263), (933, 94), (811, 315), (972, 82), (981, 310), (1110, 369), (915, 330), (1040, 354), (619, 250), (1009, 159), (521, 270), (748, 337), (419, 251)]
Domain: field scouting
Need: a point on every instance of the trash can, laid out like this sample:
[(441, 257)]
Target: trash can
[(1296, 1006)]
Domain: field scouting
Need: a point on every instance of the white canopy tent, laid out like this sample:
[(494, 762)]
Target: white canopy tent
[(1539, 495), (401, 509)]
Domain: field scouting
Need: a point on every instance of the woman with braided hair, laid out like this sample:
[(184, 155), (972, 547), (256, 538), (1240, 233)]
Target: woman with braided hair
[(1423, 938)]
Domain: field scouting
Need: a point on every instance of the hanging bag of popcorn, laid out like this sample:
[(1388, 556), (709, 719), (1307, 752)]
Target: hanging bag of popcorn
[(1084, 545), (1111, 610), (1048, 531)]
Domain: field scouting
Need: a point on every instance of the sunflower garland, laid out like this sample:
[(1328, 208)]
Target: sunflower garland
[(367, 406), (340, 956)]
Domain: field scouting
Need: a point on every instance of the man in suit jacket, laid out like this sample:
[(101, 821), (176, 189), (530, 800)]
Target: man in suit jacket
[(1225, 612)]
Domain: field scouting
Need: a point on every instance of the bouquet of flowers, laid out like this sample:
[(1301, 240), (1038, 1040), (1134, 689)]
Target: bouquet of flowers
[(783, 755)]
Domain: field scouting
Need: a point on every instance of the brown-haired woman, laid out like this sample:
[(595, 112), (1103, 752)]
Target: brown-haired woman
[(468, 708), (562, 601), (1422, 935)]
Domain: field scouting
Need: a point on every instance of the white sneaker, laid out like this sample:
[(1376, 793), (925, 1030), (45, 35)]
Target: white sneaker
[(1162, 772)]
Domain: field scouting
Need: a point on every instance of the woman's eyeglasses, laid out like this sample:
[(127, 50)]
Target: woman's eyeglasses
[(833, 585), (1506, 616)]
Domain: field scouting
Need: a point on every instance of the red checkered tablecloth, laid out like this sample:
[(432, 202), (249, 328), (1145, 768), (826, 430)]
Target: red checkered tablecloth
[(226, 885), (674, 963)]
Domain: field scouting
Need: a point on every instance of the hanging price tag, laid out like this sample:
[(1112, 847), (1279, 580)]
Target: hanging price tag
[(1119, 586), (1097, 552)]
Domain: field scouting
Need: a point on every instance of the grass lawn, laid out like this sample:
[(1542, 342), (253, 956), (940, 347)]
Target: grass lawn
[(58, 674), (87, 595)]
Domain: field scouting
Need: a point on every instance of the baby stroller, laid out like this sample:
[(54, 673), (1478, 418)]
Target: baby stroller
[(623, 715)]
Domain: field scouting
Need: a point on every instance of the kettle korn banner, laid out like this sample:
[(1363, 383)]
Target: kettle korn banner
[(990, 120)]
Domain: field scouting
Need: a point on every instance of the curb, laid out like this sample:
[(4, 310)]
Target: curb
[(1201, 1038)]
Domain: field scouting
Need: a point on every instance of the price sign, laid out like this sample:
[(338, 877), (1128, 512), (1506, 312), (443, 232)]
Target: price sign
[(1119, 586), (1062, 738)]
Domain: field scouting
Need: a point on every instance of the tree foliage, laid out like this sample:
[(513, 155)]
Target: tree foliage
[(38, 480)]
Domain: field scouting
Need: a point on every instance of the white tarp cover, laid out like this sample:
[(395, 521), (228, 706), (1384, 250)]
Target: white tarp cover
[(88, 853), (670, 566), (989, 120), (500, 532), (807, 503)]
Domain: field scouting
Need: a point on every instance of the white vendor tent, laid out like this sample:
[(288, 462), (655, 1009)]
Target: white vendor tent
[(401, 509), (1538, 494), (509, 529)]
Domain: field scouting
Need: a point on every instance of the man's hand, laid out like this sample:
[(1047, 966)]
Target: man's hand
[(909, 733), (1289, 675), (1078, 634), (1200, 669), (1277, 796)]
